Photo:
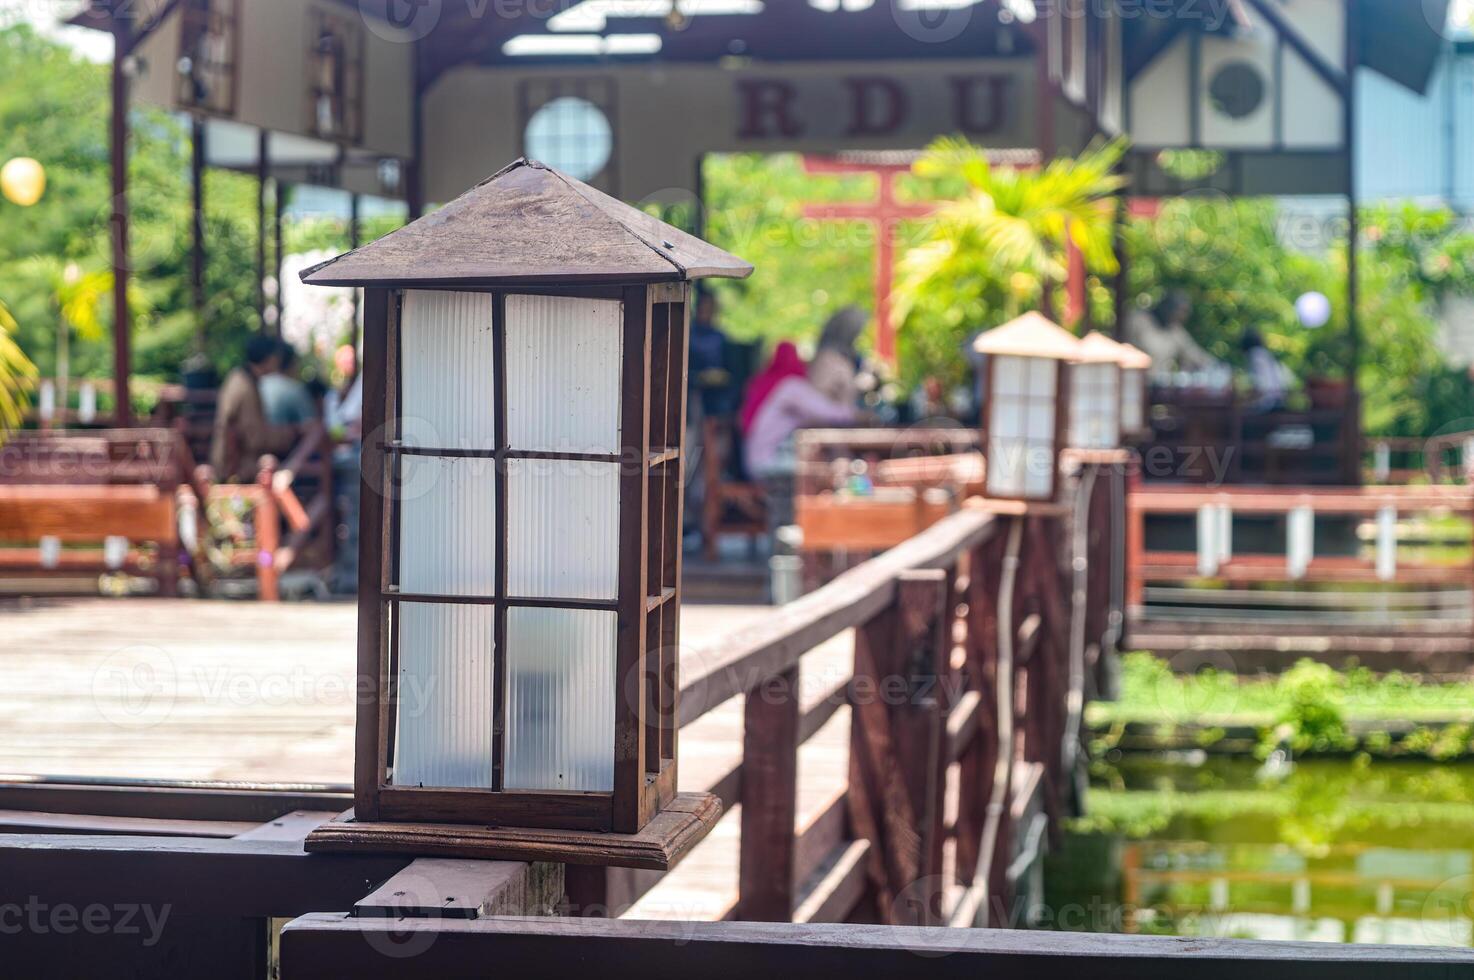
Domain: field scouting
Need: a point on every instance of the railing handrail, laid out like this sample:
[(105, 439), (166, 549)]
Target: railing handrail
[(775, 643)]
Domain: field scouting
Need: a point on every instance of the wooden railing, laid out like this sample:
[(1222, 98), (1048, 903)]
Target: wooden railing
[(1367, 587), (1443, 458), (276, 501), (902, 843)]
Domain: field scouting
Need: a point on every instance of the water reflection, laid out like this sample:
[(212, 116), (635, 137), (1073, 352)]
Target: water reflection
[(1326, 851)]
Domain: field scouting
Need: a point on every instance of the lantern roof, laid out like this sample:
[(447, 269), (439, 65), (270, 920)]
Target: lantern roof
[(1134, 358), (529, 224), (1097, 348), (1031, 335)]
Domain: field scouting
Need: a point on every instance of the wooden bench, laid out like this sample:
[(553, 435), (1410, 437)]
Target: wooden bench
[(64, 496)]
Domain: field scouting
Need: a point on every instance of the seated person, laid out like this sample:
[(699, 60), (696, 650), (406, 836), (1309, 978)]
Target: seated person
[(1270, 378), (781, 401), (284, 398), (242, 433), (1162, 333)]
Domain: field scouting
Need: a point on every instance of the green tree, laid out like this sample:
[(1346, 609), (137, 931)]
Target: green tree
[(17, 375), (997, 246)]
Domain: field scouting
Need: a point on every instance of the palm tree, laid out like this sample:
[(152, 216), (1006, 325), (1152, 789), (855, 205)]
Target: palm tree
[(77, 296), (1004, 237), (17, 376)]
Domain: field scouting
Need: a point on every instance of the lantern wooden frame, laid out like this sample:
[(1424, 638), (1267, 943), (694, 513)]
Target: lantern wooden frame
[(1061, 423), (653, 381), (1029, 337), (530, 231)]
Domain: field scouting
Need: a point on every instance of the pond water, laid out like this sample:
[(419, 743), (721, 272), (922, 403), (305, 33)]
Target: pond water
[(1324, 850)]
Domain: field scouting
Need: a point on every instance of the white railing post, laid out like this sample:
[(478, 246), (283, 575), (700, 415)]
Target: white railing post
[(1208, 549), (1382, 463), (1300, 543), (1387, 543)]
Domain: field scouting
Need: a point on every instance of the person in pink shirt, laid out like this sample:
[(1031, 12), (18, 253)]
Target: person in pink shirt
[(781, 401)]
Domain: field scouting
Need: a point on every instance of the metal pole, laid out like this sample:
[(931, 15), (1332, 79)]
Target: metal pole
[(281, 299), (263, 174), (354, 231), (197, 229), (1352, 454), (122, 322)]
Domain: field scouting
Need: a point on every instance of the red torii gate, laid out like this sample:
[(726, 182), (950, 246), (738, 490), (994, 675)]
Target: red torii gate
[(883, 213)]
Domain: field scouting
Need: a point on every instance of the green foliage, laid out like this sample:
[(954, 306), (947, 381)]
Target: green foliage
[(1313, 717), (17, 374), (992, 251), (54, 106), (1231, 258), (805, 269)]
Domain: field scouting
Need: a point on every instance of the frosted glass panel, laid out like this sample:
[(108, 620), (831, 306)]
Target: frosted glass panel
[(1005, 466), (446, 371), (1094, 406), (1011, 374), (563, 373), (562, 529), (445, 695), (560, 699), (447, 526)]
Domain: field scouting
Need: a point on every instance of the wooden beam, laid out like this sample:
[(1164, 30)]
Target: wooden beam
[(240, 878), (319, 947), (449, 888)]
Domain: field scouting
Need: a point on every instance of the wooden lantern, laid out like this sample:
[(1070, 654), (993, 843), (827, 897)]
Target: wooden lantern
[(1095, 394), (524, 378), (1135, 364), (1025, 389)]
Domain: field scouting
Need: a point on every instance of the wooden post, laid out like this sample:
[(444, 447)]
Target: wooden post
[(268, 535), (976, 766), (897, 774), (122, 321), (766, 887), (1135, 548)]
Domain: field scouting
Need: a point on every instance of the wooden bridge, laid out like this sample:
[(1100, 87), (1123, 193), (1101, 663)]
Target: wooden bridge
[(893, 748)]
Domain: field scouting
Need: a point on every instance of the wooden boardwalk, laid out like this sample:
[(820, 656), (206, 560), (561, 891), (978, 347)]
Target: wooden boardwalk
[(263, 693)]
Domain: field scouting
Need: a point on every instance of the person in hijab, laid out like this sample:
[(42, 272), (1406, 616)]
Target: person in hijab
[(782, 400), (786, 363)]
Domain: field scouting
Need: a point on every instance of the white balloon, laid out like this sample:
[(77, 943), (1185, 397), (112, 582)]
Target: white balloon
[(1313, 309)]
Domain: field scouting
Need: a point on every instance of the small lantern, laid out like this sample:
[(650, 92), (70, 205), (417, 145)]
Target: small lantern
[(524, 393), (1135, 364), (1026, 377), (1095, 394), (22, 181)]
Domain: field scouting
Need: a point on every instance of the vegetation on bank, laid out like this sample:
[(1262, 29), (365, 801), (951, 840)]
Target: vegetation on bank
[(1311, 708)]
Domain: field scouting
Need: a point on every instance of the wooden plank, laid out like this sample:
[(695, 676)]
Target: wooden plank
[(836, 886), (450, 888), (766, 876), (85, 513), (289, 826), (164, 802), (206, 876), (37, 822), (328, 947)]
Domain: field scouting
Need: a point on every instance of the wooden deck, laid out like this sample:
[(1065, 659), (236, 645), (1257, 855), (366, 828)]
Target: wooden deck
[(234, 691)]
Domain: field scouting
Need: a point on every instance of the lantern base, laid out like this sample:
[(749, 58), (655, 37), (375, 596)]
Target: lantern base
[(1009, 507), (672, 832)]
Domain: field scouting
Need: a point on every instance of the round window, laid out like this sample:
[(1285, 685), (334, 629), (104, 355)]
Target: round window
[(570, 134), (1237, 89)]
